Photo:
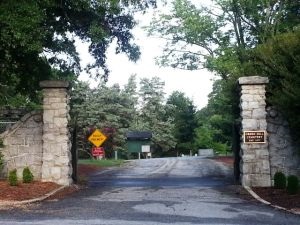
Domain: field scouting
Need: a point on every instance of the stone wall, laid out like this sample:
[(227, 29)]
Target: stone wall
[(284, 156), (23, 145), (260, 161), (41, 140), (254, 164)]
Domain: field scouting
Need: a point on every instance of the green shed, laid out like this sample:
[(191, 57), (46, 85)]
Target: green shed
[(135, 140)]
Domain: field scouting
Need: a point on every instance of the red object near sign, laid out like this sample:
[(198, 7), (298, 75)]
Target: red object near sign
[(98, 151)]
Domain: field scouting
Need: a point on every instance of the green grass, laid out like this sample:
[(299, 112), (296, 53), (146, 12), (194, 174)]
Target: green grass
[(102, 163)]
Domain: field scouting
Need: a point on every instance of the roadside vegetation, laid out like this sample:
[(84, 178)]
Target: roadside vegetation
[(101, 163), (231, 38)]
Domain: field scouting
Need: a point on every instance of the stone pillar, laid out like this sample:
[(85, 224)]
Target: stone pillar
[(255, 163), (56, 159)]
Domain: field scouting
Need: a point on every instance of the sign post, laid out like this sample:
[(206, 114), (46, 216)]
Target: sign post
[(145, 148), (97, 138), (98, 152)]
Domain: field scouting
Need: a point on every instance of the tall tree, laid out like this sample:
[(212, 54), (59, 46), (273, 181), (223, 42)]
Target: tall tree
[(279, 59), (152, 116), (215, 121), (234, 38), (110, 109), (37, 36), (215, 36), (182, 111)]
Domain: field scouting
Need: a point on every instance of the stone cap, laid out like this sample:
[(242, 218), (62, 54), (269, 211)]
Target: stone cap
[(253, 80), (54, 84)]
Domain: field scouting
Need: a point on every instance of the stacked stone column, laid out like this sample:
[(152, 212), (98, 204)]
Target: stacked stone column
[(255, 163), (56, 166)]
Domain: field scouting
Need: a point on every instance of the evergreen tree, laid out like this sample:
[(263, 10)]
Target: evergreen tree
[(182, 111), (152, 115)]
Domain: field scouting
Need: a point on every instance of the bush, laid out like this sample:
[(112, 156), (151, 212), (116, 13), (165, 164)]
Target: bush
[(1, 157), (12, 178), (279, 180), (1, 143), (1, 162), (27, 175), (292, 184)]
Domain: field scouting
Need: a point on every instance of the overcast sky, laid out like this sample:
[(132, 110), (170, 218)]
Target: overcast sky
[(195, 84)]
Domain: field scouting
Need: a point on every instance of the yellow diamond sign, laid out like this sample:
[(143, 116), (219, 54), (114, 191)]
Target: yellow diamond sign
[(97, 138)]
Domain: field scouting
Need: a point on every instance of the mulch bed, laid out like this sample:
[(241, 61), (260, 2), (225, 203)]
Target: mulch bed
[(25, 191), (38, 189), (278, 197)]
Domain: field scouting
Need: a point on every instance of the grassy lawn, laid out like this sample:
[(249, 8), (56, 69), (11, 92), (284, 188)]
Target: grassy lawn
[(102, 163)]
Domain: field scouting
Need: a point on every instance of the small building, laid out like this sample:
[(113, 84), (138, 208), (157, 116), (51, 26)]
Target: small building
[(138, 141)]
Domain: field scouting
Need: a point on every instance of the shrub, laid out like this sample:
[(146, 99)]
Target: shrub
[(1, 143), (279, 180), (292, 184), (12, 178), (1, 162), (27, 175)]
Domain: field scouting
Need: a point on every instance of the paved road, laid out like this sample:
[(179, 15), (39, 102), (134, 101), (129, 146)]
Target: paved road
[(181, 191)]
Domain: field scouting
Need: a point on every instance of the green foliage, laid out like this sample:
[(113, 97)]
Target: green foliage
[(116, 110), (1, 162), (108, 108), (27, 175), (1, 143), (292, 185), (13, 178), (1, 156), (38, 36), (279, 59), (182, 112), (216, 119), (101, 163), (234, 39), (279, 180), (153, 116)]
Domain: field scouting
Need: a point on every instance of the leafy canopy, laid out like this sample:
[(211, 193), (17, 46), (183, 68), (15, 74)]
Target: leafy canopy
[(37, 39), (234, 38)]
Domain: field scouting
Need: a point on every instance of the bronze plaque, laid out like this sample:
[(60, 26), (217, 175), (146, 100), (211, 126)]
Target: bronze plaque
[(252, 137)]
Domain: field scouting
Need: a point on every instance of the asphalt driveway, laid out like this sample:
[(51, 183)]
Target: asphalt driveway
[(188, 190)]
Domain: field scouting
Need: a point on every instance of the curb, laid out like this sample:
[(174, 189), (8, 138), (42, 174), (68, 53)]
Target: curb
[(14, 203), (254, 195)]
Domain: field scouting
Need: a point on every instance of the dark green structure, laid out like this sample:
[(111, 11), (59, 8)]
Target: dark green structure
[(136, 139)]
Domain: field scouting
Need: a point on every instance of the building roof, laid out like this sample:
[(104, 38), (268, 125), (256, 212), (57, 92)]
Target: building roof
[(138, 135)]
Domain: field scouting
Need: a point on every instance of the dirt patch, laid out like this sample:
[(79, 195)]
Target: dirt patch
[(228, 160), (85, 170)]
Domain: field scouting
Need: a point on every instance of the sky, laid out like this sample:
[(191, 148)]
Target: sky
[(195, 84)]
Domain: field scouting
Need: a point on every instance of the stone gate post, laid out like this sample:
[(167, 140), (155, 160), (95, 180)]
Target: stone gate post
[(255, 163), (56, 159)]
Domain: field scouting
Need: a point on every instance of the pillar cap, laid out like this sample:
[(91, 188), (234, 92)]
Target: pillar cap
[(253, 80), (54, 84)]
